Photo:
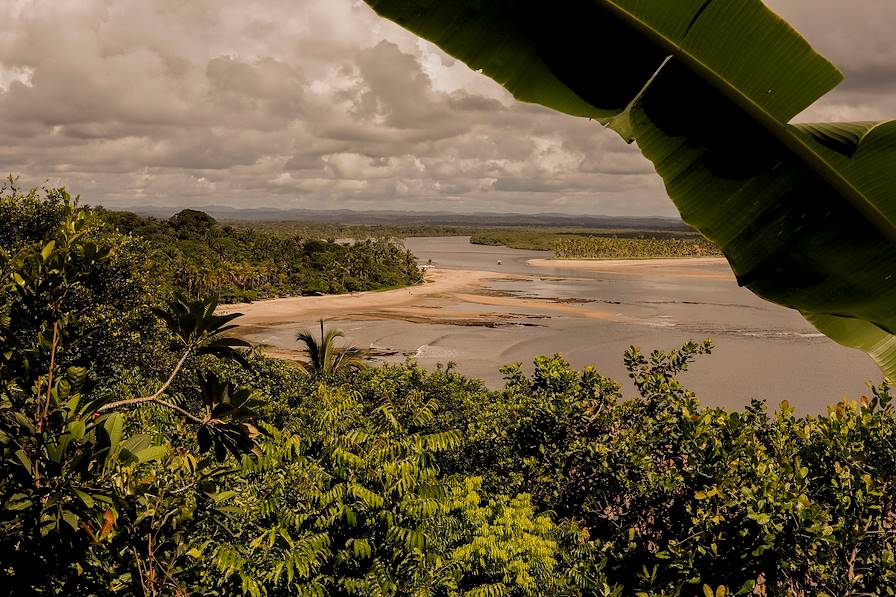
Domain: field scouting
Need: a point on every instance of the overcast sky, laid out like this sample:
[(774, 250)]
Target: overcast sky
[(321, 104)]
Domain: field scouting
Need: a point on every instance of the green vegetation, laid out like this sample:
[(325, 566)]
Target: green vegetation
[(204, 468), (143, 451), (805, 213), (325, 358), (191, 252), (632, 248), (516, 239), (292, 228), (601, 244), (410, 224)]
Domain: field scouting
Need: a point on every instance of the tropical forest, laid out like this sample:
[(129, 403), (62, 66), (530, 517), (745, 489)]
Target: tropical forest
[(189, 406)]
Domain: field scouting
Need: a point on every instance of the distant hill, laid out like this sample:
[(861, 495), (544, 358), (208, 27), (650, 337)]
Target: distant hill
[(392, 218)]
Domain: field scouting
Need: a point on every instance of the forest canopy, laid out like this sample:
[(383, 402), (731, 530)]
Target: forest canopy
[(192, 252), (145, 451)]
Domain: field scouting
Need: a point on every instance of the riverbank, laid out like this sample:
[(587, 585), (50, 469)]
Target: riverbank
[(300, 308), (616, 263), (685, 267)]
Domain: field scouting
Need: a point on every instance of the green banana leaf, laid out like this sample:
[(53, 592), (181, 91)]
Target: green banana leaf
[(805, 213)]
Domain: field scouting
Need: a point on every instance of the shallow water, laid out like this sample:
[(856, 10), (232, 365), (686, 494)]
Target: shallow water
[(762, 350)]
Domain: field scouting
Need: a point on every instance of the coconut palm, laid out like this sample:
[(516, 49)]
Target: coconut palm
[(324, 357)]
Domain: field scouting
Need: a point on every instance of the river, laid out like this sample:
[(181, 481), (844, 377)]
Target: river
[(590, 317)]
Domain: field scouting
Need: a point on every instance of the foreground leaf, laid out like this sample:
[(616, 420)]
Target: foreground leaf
[(805, 214)]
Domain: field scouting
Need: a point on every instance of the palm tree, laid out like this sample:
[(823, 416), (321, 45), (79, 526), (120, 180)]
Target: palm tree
[(324, 357)]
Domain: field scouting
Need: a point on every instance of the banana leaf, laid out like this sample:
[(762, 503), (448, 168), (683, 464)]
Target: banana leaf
[(804, 213)]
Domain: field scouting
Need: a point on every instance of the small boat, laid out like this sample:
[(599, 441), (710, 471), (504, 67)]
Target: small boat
[(499, 262)]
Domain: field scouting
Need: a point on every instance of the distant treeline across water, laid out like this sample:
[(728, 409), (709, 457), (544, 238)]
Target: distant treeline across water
[(602, 244)]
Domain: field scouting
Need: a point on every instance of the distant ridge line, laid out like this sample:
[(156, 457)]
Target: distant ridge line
[(394, 217)]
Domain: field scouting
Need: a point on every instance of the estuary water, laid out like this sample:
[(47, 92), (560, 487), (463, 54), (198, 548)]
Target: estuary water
[(591, 315)]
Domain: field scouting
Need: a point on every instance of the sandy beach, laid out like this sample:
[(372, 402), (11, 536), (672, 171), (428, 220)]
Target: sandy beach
[(599, 264), (440, 283), (694, 267), (428, 301)]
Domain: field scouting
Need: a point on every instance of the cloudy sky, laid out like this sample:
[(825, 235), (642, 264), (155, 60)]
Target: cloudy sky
[(320, 104)]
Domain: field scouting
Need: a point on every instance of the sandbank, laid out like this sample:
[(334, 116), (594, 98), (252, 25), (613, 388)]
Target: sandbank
[(694, 267), (301, 308)]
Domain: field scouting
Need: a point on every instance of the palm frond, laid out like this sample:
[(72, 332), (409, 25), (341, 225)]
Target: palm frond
[(325, 357)]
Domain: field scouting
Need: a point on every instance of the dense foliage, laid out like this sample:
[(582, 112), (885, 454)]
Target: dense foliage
[(205, 469), (69, 476), (324, 357), (601, 244), (632, 248), (289, 228), (193, 253)]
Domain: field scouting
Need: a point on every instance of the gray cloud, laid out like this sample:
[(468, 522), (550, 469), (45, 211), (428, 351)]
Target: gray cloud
[(858, 37), (321, 104)]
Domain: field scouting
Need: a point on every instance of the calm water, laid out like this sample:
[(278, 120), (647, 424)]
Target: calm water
[(762, 350)]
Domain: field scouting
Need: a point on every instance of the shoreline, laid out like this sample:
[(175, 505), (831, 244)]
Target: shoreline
[(664, 267), (297, 308), (612, 263)]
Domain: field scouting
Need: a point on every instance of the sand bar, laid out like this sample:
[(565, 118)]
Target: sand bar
[(300, 308), (686, 267)]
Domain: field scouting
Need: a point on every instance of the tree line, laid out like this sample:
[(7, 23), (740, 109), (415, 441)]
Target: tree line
[(576, 247), (601, 244), (194, 253)]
